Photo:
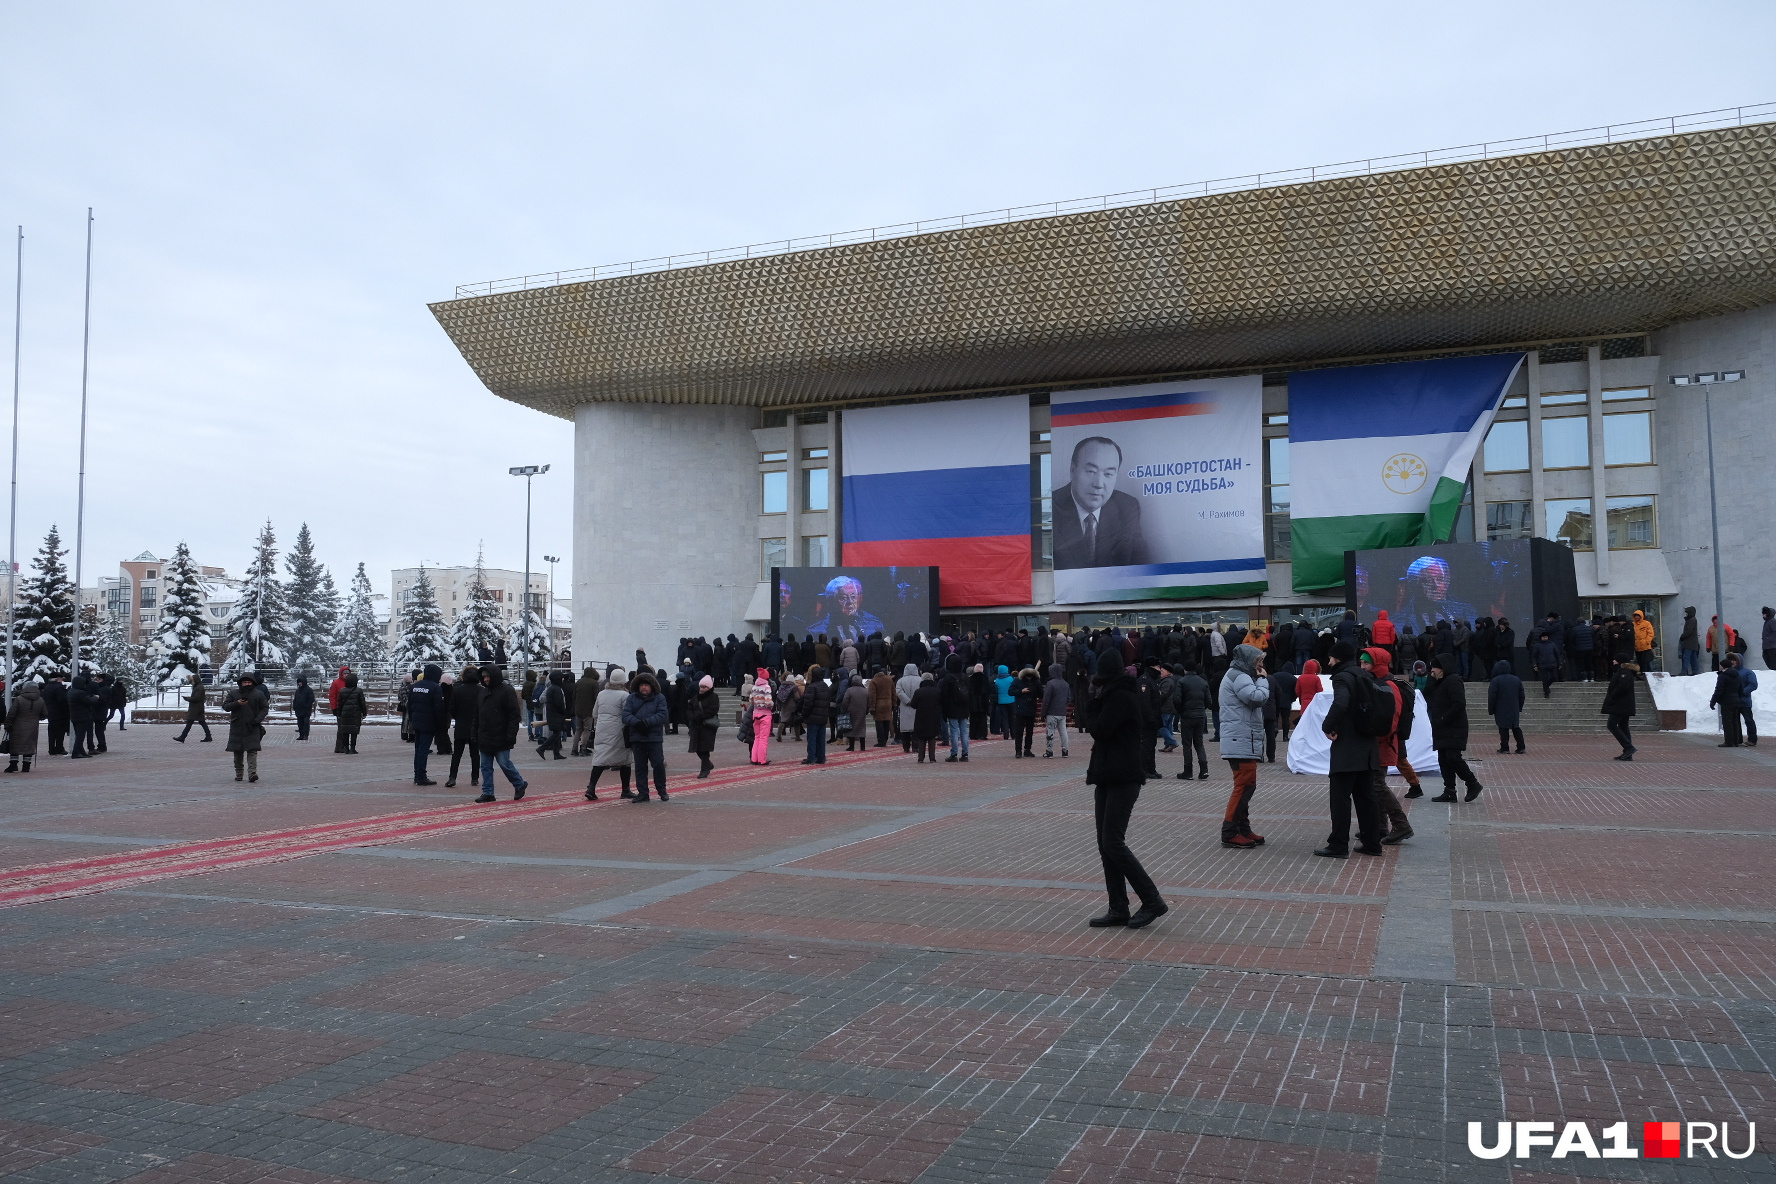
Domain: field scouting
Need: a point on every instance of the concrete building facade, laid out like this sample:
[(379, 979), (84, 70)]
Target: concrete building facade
[(1615, 267)]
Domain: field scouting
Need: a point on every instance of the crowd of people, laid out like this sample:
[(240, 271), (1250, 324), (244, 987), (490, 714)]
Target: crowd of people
[(83, 707)]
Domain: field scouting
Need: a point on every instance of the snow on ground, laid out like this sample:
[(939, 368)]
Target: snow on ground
[(1678, 692)]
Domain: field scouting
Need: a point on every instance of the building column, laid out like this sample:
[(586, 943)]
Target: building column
[(1599, 485), (1538, 477), (792, 519)]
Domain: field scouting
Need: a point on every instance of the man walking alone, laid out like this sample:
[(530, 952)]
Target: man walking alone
[(425, 718), (1355, 757), (1113, 718), (497, 720)]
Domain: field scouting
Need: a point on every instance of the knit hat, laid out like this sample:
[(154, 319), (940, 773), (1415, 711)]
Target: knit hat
[(1344, 651), (705, 683)]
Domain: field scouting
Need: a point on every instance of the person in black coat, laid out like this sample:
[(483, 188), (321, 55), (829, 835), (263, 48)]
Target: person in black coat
[(302, 702), (928, 717), (1447, 704), (498, 717), (118, 701), (1618, 705), (1729, 696), (465, 705), (1112, 717), (55, 702), (1355, 758), (1504, 702), (100, 685), (555, 716), (425, 718), (816, 712), (644, 722), (84, 707), (1545, 657), (702, 719)]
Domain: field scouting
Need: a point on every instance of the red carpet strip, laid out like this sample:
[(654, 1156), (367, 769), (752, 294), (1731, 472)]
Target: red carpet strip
[(103, 873)]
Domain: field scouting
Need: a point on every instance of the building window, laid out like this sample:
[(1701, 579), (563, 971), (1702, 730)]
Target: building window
[(1566, 442), (1636, 392), (1278, 538), (1042, 511), (148, 597), (776, 493), (814, 552), (1628, 438), (1563, 399), (1515, 403), (150, 575), (1277, 419), (814, 490), (1507, 446), (1569, 521), (769, 458), (1633, 523), (814, 454), (773, 553), (1509, 520)]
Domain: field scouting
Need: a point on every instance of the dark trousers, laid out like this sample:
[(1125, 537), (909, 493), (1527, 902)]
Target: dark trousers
[(99, 734), (977, 726), (551, 741), (1270, 740), (1618, 727), (1238, 820), (422, 748), (464, 741), (1583, 662), (881, 733), (649, 754), (199, 722), (58, 737), (83, 737), (1454, 768), (1190, 737), (816, 746), (1349, 791), (1730, 717), (1023, 735), (302, 719), (345, 738), (1506, 735), (1111, 806), (1750, 723), (1000, 727), (123, 713), (1387, 802)]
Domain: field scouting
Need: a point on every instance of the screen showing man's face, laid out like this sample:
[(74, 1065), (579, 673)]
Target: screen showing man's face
[(850, 599), (1093, 475), (1434, 579)]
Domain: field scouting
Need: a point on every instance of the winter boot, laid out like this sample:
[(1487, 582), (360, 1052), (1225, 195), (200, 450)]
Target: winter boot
[(14, 766), (27, 764)]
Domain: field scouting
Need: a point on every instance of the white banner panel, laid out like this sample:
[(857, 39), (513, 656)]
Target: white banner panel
[(1158, 491)]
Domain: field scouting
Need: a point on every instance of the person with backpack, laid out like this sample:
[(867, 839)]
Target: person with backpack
[(1377, 665), (1245, 693), (1447, 704), (1357, 716), (1504, 703)]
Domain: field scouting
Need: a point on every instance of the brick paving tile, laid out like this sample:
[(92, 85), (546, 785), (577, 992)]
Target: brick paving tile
[(24, 1145), (1719, 871), (402, 927), (768, 1136), (1353, 999), (30, 852), (237, 969), (1130, 1155), (942, 1040), (75, 951), (1735, 960), (1749, 810), (580, 941), (484, 1099), (27, 1025), (217, 1064), (1568, 1089), (1297, 1072), (445, 990), (1039, 976), (807, 959), (232, 915), (1702, 1021), (204, 1168), (682, 1013), (1519, 1176)]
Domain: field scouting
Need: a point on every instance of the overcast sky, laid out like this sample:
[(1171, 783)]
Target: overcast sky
[(281, 189)]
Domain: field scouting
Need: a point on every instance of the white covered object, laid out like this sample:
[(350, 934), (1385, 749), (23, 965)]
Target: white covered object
[(1311, 752), (1691, 692)]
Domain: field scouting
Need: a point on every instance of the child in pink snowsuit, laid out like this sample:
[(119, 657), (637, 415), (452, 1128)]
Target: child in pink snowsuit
[(761, 701)]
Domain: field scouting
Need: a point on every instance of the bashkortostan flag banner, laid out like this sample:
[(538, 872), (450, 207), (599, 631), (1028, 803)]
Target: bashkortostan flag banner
[(1379, 455)]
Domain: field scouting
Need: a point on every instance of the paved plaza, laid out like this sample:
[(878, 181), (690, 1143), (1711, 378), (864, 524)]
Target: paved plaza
[(872, 971)]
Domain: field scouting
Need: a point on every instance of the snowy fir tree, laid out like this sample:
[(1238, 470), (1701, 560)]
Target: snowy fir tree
[(477, 625), (424, 637), (183, 644), (314, 608), (537, 640), (358, 639), (258, 628), (43, 622), (112, 653)]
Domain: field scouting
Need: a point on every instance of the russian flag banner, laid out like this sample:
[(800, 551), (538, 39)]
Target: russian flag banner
[(944, 483)]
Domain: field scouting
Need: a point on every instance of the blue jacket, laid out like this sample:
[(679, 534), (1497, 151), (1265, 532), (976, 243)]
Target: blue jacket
[(1003, 683), (1581, 637), (425, 703), (644, 719)]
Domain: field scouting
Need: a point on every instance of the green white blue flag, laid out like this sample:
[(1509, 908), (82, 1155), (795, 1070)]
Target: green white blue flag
[(1379, 455)]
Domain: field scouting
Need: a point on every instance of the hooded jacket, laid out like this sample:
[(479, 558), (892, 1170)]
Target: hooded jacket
[(1383, 629), (350, 706), (1643, 633), (1002, 685), (1243, 699), (1352, 752), (904, 689), (1505, 696), (1112, 717), (1447, 702), (1056, 694), (334, 688), (1406, 705), (1619, 698), (85, 704), (586, 694), (610, 747), (22, 718), (194, 700), (1308, 683), (645, 716), (500, 714), (247, 708), (881, 696)]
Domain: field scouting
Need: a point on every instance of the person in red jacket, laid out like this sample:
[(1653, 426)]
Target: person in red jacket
[(1390, 746), (1308, 684), (333, 690), (1382, 632)]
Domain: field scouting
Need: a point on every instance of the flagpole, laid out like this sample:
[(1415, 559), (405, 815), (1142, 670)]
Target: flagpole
[(80, 503), (18, 329)]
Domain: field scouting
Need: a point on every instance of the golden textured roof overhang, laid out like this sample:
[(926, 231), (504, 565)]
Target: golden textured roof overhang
[(1582, 242)]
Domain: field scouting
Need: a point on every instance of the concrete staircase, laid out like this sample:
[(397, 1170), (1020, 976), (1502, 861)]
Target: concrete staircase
[(1573, 710)]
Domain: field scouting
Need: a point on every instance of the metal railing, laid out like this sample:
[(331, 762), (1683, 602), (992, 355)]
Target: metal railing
[(1487, 150)]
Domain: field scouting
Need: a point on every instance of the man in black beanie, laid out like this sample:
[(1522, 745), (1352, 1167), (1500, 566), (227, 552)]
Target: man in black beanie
[(1355, 757)]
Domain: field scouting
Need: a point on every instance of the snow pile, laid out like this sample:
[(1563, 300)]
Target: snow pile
[(1678, 692)]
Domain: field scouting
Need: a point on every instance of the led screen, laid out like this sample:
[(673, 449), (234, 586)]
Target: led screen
[(1419, 586), (850, 603)]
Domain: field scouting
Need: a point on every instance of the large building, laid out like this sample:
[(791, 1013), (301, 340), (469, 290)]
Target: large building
[(1620, 269)]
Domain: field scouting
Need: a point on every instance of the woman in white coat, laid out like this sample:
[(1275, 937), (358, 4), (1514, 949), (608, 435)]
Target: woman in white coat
[(904, 689), (610, 747)]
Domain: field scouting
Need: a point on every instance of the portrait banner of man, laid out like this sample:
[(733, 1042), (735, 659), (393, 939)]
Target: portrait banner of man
[(1158, 490)]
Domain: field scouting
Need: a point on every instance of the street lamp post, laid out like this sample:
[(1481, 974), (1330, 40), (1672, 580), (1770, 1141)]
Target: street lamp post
[(526, 472), (1706, 381), (549, 603)]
